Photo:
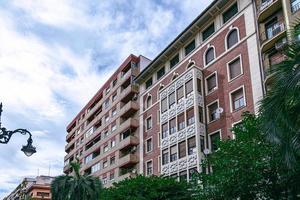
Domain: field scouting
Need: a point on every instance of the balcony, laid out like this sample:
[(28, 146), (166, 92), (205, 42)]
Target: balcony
[(128, 93), (272, 35), (129, 141), (128, 160), (268, 63), (129, 109), (267, 8), (295, 6), (133, 123)]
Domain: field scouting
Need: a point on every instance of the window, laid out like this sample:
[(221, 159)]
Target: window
[(114, 97), (89, 158), (149, 101), (201, 117), (107, 90), (212, 112), (113, 143), (112, 160), (105, 149), (182, 149), (199, 86), (192, 173), (232, 38), (190, 47), (171, 99), (208, 31), (173, 153), (149, 123), (190, 117), (192, 145), (183, 175), (115, 82), (164, 130), (214, 138), (95, 167), (237, 98), (174, 61), (149, 145), (114, 112), (234, 68), (189, 87), (104, 180), (160, 73), (105, 133), (149, 166), (112, 176), (106, 118), (181, 123), (149, 83), (202, 143), (164, 105), (113, 127), (105, 164), (179, 93), (228, 14), (211, 83), (172, 126), (165, 156), (106, 103), (209, 55)]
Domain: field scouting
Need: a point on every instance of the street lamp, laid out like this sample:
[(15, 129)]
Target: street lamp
[(5, 136), (206, 153)]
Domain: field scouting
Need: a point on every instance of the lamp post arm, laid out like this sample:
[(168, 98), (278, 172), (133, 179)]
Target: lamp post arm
[(5, 135)]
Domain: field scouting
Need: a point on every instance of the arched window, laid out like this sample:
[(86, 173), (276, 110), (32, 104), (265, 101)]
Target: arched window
[(232, 38), (209, 55), (149, 101)]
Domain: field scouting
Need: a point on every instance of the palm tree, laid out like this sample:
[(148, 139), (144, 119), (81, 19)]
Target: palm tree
[(280, 108), (76, 187)]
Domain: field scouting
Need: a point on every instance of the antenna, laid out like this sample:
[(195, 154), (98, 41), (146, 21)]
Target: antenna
[(0, 112)]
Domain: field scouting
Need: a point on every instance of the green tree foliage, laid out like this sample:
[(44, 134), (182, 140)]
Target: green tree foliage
[(247, 168), (148, 188), (280, 108), (77, 187)]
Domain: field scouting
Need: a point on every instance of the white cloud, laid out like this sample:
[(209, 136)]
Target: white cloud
[(46, 80)]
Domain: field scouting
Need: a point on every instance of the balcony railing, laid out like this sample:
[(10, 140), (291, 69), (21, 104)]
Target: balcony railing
[(265, 5), (295, 7), (273, 31)]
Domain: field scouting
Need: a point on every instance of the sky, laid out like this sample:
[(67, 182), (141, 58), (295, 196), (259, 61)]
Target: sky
[(56, 54)]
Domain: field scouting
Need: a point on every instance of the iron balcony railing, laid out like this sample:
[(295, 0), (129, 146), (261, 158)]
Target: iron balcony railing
[(272, 31)]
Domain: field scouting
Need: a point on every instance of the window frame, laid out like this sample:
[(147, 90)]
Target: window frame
[(209, 137), (231, 100), (206, 85), (206, 28), (205, 53), (146, 83), (229, 7), (192, 42), (208, 113), (159, 76), (172, 59), (149, 128), (227, 35), (149, 161), (228, 69), (149, 139)]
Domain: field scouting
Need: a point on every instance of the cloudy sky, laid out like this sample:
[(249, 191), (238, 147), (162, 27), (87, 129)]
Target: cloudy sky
[(55, 54)]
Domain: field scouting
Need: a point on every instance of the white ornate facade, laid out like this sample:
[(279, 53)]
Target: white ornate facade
[(193, 100)]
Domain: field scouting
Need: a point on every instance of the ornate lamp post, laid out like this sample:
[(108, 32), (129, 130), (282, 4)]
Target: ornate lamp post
[(5, 136)]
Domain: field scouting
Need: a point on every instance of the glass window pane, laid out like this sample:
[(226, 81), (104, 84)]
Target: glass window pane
[(208, 32), (230, 13)]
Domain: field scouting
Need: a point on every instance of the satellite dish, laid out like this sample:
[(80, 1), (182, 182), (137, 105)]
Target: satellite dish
[(220, 110), (206, 151)]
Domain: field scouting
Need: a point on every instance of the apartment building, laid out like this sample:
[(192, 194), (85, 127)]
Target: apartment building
[(275, 18), (37, 188), (196, 89), (104, 135)]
